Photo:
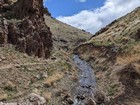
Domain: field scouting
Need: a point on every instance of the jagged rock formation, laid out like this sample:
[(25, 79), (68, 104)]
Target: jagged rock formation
[(29, 8), (29, 33)]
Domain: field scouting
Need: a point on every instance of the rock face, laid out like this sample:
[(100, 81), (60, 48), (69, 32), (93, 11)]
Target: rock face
[(29, 8), (30, 33)]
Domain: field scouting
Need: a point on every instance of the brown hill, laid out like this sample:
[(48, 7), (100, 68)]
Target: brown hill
[(114, 53), (65, 36)]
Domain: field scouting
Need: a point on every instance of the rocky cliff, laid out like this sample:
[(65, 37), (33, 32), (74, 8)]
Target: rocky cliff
[(22, 24)]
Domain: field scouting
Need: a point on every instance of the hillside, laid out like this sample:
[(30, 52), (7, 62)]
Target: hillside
[(35, 58), (65, 36), (114, 53), (46, 62)]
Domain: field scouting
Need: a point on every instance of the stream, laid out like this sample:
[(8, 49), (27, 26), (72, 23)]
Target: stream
[(86, 85)]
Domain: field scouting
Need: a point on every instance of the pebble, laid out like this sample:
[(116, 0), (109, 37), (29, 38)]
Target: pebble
[(37, 98), (63, 103), (45, 75), (58, 93), (70, 101), (54, 85)]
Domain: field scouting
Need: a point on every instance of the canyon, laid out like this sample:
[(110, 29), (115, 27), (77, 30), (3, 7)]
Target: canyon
[(46, 62)]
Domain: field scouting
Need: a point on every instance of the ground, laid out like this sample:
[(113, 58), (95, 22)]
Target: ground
[(21, 74)]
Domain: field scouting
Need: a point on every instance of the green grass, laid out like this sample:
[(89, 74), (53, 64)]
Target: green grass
[(112, 89)]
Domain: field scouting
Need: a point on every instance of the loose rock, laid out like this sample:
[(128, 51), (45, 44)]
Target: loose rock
[(70, 101)]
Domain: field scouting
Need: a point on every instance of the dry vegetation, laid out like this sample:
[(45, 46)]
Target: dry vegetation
[(114, 53), (21, 74), (65, 36)]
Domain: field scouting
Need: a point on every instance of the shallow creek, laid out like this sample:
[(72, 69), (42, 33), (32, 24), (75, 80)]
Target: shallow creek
[(86, 85)]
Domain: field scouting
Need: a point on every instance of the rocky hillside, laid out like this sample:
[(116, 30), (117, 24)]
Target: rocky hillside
[(26, 38), (114, 53)]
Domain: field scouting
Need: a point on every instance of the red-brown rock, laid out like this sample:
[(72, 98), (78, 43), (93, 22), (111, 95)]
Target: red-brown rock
[(30, 33)]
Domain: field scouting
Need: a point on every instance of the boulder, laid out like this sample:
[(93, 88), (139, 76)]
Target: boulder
[(36, 99), (70, 101)]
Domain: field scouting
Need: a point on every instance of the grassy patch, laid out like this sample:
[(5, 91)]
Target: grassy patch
[(112, 89)]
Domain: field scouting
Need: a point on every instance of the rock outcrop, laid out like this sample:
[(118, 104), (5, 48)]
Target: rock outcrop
[(31, 8), (28, 32)]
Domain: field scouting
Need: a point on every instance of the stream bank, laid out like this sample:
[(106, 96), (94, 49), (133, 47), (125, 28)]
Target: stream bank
[(85, 88)]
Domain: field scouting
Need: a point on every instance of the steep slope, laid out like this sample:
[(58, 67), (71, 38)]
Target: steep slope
[(22, 24), (23, 38), (65, 36), (114, 53)]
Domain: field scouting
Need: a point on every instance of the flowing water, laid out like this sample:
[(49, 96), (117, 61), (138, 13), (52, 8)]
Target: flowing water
[(86, 86)]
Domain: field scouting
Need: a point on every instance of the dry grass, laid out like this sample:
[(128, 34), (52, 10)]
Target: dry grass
[(3, 96), (65, 35), (26, 73), (137, 47), (137, 67), (134, 103), (128, 59), (52, 79)]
